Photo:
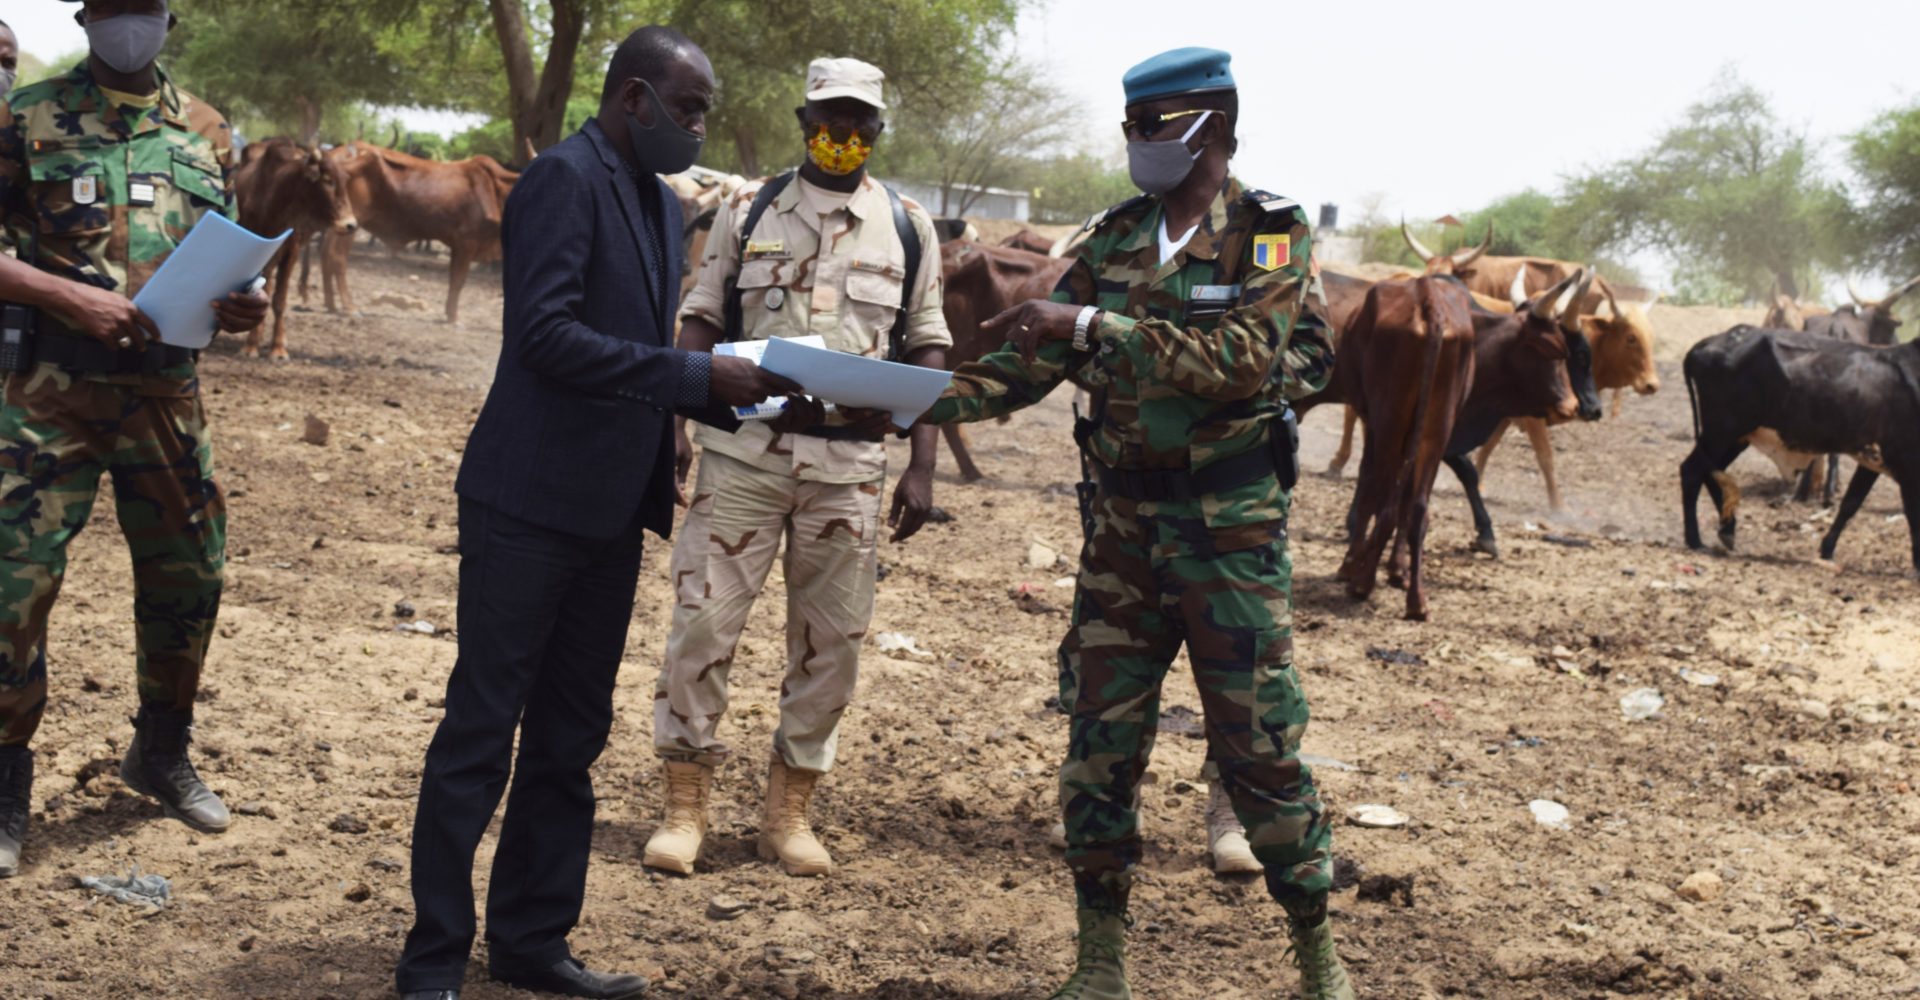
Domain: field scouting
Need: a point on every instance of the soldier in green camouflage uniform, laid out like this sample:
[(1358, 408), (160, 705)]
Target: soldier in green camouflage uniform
[(102, 173), (1191, 350)]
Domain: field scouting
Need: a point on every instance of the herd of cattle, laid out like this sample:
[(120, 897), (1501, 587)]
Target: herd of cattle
[(1436, 365)]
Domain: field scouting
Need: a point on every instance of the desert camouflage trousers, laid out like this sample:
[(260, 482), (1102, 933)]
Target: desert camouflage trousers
[(726, 547), (1147, 585), (58, 434)]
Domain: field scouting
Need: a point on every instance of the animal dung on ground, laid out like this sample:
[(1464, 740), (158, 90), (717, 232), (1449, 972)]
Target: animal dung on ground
[(1549, 813), (1383, 889), (1181, 719), (1399, 656), (1377, 816), (317, 431), (725, 907), (1641, 703)]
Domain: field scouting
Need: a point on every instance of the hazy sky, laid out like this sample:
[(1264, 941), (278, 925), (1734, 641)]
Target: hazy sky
[(1440, 107)]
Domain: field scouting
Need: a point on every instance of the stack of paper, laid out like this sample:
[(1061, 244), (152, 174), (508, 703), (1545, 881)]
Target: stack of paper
[(754, 350)]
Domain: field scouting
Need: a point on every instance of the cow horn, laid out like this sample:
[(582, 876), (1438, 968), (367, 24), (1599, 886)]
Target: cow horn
[(1425, 254), (395, 144), (1853, 291), (532, 153), (1566, 308), (1894, 296), (1549, 305), (1518, 293), (1461, 258), (1607, 290)]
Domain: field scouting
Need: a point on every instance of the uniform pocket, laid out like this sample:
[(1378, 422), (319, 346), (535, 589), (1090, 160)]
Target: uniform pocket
[(873, 301), (767, 306), (198, 177), (72, 196)]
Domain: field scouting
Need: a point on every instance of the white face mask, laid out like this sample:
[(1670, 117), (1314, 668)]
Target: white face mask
[(6, 80), (129, 42)]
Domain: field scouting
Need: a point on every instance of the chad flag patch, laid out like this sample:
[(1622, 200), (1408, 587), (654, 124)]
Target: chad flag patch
[(1270, 252)]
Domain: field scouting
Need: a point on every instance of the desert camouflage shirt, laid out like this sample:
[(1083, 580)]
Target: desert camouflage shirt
[(842, 276), (1194, 356), (102, 193)]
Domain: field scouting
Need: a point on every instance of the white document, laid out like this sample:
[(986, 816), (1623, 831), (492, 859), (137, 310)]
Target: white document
[(906, 391), (754, 350), (216, 258)]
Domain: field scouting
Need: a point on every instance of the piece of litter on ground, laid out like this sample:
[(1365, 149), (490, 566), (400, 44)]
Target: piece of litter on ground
[(1699, 677), (1377, 816), (1399, 656), (1040, 555), (1065, 581), (1641, 703), (1314, 760), (901, 644), (1547, 812), (1567, 540), (131, 888)]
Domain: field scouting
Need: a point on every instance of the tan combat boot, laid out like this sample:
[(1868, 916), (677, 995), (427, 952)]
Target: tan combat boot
[(784, 832), (674, 846), (1226, 838), (1100, 969), (1322, 977)]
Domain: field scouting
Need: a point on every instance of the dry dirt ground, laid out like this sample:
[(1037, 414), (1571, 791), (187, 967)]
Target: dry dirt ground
[(1783, 763)]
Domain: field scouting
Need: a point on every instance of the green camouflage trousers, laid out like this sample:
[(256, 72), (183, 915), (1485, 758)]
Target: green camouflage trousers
[(1148, 583), (58, 433)]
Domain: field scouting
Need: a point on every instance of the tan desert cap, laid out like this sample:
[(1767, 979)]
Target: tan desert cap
[(831, 78)]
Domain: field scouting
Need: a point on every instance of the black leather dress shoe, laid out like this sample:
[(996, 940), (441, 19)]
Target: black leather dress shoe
[(431, 995), (570, 978)]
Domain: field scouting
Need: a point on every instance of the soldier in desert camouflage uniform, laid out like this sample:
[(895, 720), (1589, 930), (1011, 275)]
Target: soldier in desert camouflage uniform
[(1192, 346), (102, 173), (825, 256)]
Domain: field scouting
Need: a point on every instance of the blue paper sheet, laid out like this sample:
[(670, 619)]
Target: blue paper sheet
[(216, 258), (906, 391)]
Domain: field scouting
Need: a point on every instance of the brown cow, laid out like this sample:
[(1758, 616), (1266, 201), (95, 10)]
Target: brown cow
[(1622, 359), (402, 199), (1493, 276), (1789, 313), (283, 185), (1030, 241), (981, 281), (1409, 410)]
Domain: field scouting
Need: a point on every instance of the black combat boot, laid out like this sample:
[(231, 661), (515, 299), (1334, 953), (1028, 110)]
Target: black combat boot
[(156, 765), (16, 792)]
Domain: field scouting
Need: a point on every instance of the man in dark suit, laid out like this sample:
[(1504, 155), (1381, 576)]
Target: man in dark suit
[(571, 460)]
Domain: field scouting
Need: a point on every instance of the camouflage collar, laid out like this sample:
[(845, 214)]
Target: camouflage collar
[(866, 200), (1205, 243), (81, 94)]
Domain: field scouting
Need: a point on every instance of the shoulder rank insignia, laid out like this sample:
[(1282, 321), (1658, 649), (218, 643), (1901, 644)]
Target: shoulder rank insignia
[(1112, 210), (1270, 250), (1271, 202)]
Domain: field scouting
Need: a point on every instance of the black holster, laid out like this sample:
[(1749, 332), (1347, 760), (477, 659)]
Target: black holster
[(16, 337), (1283, 440), (1085, 489)]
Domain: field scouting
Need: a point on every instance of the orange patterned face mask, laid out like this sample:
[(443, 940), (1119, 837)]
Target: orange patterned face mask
[(837, 158)]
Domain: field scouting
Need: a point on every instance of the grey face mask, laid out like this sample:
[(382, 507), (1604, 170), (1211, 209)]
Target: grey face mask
[(128, 42), (1159, 167), (666, 148), (6, 80)]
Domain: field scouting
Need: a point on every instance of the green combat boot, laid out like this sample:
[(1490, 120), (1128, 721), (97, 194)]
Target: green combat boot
[(1322, 977), (1099, 973)]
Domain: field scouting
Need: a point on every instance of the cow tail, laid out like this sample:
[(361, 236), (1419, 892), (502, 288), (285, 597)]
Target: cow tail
[(1693, 398)]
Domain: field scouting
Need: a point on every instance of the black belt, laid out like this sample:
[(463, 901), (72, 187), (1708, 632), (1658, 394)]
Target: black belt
[(59, 344), (839, 433), (1182, 484)]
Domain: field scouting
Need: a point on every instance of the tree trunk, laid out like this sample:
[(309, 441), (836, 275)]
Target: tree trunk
[(309, 121), (743, 143), (1788, 287), (538, 107)]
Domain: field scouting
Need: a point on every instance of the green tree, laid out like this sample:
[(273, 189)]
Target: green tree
[(1886, 156), (1069, 188), (1729, 189), (974, 134)]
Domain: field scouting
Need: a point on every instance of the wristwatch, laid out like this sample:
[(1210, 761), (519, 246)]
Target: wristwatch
[(1082, 324)]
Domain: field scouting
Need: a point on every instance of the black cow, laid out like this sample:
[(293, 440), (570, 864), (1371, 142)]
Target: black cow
[(1865, 321), (1818, 396)]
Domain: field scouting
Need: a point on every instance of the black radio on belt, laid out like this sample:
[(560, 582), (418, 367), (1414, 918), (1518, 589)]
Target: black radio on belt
[(16, 337)]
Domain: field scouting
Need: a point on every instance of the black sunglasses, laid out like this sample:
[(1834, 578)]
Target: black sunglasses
[(1147, 128)]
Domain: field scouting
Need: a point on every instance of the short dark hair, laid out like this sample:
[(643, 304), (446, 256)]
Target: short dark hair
[(643, 55), (1227, 102)]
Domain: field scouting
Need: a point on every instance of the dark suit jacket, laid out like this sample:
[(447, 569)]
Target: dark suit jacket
[(577, 432)]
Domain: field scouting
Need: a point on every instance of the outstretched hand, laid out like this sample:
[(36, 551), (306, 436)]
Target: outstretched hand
[(1030, 323), (737, 381)]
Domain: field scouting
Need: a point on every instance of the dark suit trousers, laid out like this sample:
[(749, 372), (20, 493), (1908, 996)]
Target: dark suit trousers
[(543, 622)]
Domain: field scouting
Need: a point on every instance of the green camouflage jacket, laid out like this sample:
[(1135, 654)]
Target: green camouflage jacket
[(99, 193), (1195, 355)]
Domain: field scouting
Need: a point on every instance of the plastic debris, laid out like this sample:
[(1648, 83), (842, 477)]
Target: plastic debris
[(1641, 703), (901, 645), (1699, 677), (1549, 813), (132, 888), (1040, 555), (1320, 763), (1377, 816)]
